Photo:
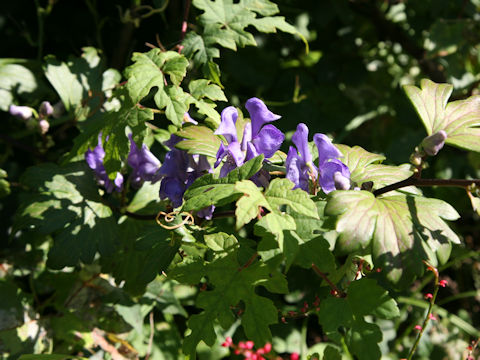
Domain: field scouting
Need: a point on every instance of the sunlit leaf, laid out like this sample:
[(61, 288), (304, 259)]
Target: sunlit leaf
[(459, 119)]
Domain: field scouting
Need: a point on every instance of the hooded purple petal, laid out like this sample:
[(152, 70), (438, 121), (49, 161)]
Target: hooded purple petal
[(268, 140), (227, 125), (326, 150), (300, 139), (206, 212), (327, 172), (251, 151), (259, 114), (144, 164), (297, 172), (247, 136), (173, 189)]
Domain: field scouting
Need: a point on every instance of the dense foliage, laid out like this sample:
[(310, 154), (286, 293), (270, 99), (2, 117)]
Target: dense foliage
[(173, 184)]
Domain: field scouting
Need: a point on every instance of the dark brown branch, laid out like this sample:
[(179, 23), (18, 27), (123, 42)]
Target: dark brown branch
[(414, 181)]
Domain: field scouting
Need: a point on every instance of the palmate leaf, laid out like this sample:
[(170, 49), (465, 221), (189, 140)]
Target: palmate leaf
[(459, 119), (225, 23), (401, 230), (366, 166), (64, 202), (199, 140), (149, 70), (279, 193), (232, 284)]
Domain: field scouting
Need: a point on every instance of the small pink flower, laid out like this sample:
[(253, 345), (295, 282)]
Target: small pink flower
[(418, 327), (228, 342), (294, 356), (443, 283), (432, 317), (242, 345), (428, 296), (267, 348), (249, 344)]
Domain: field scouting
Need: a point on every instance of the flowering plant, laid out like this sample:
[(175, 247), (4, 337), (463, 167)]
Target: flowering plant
[(184, 206)]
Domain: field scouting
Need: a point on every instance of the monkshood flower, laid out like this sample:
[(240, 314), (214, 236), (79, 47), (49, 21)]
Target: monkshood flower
[(257, 138), (146, 167), (178, 171), (94, 160), (331, 173)]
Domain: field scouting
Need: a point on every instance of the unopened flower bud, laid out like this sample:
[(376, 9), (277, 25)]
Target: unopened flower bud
[(341, 182), (434, 143), (44, 126), (45, 109), (21, 112)]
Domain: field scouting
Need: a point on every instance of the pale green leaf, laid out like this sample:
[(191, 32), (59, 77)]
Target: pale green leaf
[(366, 166), (459, 119), (14, 79), (400, 229), (199, 140)]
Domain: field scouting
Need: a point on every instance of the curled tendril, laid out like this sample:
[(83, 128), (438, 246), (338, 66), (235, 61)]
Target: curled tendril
[(169, 217)]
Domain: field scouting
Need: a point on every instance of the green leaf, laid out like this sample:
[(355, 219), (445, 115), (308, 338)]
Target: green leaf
[(203, 88), (74, 79), (459, 119), (248, 206), (363, 338), (14, 79), (366, 166), (200, 140), (147, 248), (220, 242), (232, 284), (200, 47), (367, 298), (400, 229), (148, 71), (64, 202), (280, 193), (207, 190), (225, 21)]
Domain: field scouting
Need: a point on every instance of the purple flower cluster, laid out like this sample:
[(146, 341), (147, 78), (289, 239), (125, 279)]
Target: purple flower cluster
[(257, 138), (331, 173), (180, 169)]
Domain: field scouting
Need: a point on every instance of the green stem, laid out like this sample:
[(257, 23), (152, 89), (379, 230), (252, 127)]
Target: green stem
[(425, 321)]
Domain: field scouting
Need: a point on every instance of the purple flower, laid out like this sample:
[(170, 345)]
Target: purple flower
[(21, 112), (94, 160), (299, 164), (329, 165), (257, 138), (331, 173), (144, 164), (178, 171)]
